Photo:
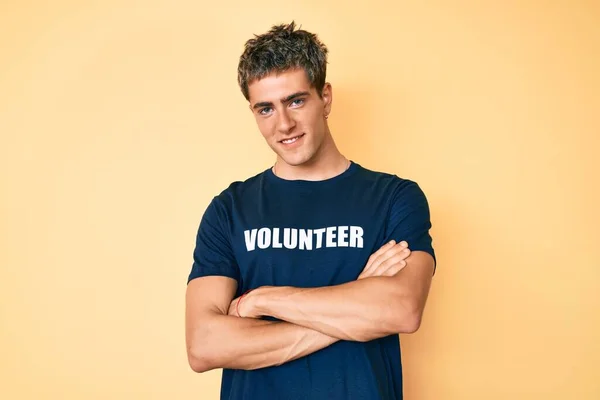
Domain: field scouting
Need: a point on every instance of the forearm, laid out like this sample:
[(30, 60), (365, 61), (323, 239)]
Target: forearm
[(361, 310), (226, 341)]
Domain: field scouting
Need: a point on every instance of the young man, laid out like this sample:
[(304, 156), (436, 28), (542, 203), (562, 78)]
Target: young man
[(319, 242)]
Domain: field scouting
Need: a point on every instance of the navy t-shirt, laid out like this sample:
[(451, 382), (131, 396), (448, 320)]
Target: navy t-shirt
[(276, 232)]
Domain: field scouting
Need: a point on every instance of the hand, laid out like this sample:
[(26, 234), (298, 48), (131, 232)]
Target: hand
[(244, 305), (387, 261)]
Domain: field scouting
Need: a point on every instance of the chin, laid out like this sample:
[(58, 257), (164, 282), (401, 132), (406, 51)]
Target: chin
[(296, 160)]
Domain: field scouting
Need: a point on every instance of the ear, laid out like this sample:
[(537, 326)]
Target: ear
[(327, 96)]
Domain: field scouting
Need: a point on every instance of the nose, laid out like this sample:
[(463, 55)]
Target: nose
[(285, 123)]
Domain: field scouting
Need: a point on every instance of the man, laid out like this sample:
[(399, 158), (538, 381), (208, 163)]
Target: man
[(302, 277)]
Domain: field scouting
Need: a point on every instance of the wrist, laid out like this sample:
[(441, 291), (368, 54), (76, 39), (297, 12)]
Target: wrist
[(256, 301), (268, 300), (241, 299)]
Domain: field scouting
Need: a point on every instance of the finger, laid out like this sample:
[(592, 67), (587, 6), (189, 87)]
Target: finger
[(381, 250), (399, 248), (394, 269), (405, 253), (395, 262)]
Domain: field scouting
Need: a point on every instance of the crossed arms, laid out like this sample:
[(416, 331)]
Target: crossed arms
[(387, 298)]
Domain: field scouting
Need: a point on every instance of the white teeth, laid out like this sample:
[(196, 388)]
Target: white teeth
[(292, 140)]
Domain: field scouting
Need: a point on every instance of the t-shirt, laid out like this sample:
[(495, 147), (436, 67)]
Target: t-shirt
[(276, 232)]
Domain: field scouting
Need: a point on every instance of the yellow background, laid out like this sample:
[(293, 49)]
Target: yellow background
[(120, 120)]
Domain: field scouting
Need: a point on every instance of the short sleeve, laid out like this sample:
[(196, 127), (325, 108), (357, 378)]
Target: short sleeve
[(213, 254), (409, 218)]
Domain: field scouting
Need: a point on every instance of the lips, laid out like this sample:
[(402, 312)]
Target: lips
[(291, 140)]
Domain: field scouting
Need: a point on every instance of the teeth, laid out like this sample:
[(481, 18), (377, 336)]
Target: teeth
[(292, 140)]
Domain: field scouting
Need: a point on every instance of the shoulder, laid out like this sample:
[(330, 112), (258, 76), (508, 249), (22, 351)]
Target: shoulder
[(236, 190), (403, 194), (396, 185)]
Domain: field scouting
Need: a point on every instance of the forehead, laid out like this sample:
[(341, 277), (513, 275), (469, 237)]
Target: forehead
[(276, 86)]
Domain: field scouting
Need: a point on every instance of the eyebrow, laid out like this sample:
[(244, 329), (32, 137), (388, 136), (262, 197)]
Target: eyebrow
[(284, 100)]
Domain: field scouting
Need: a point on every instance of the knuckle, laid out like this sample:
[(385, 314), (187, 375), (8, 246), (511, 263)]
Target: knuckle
[(380, 271), (397, 258), (395, 268), (399, 250)]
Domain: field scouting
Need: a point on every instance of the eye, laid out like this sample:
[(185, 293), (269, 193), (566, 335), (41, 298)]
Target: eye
[(265, 111), (297, 102)]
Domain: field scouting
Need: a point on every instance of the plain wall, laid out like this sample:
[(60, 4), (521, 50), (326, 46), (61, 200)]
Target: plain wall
[(120, 120)]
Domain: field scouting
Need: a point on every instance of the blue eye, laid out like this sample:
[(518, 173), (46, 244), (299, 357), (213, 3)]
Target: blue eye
[(298, 102), (264, 111)]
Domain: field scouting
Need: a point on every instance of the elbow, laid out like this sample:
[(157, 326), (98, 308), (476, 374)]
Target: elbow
[(409, 321), (199, 359), (202, 345), (410, 324), (198, 365)]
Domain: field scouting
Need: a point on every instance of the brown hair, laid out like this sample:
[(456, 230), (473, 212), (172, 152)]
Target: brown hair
[(282, 48)]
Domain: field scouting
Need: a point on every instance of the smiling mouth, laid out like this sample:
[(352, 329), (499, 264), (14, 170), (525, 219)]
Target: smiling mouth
[(291, 140)]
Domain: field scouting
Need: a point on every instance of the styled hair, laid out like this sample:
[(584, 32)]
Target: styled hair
[(283, 48)]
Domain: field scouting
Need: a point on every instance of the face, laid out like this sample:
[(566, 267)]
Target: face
[(291, 116)]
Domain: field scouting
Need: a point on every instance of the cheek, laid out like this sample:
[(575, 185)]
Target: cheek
[(313, 126), (314, 122), (265, 127)]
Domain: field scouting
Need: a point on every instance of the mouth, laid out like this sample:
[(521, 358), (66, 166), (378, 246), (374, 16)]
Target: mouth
[(292, 140)]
